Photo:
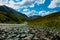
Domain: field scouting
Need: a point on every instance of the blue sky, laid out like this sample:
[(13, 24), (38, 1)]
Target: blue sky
[(33, 7)]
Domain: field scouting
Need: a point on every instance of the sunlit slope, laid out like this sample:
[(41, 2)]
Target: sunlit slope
[(51, 20)]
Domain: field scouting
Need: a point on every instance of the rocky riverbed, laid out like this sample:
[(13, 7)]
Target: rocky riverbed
[(28, 33)]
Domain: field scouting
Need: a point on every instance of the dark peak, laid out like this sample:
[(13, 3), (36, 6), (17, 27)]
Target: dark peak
[(3, 6), (35, 16)]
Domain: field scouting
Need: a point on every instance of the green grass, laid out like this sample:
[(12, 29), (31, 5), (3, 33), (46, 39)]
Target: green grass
[(48, 21), (11, 18)]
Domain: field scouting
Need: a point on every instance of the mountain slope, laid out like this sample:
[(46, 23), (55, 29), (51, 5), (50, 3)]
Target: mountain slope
[(9, 15), (52, 20)]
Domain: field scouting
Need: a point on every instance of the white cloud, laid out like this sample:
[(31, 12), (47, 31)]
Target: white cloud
[(32, 5), (33, 12), (13, 5), (30, 13), (25, 10), (17, 5), (26, 3), (2, 2), (23, 3), (54, 4), (40, 2), (31, 2), (43, 12)]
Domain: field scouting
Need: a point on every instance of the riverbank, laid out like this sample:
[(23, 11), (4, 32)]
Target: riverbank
[(29, 33)]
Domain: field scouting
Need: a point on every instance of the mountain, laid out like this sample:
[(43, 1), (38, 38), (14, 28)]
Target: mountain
[(52, 21), (9, 15), (34, 17)]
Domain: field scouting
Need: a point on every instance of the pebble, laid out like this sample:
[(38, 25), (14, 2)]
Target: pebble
[(31, 33)]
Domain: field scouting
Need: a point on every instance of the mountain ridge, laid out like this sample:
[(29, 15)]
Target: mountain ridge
[(10, 14)]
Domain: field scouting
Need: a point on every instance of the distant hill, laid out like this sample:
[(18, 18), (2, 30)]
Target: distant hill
[(34, 17), (9, 15), (51, 20)]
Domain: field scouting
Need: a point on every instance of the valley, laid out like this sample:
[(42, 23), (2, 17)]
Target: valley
[(17, 26)]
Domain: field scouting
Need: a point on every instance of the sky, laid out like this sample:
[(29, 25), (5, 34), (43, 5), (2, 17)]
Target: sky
[(33, 7)]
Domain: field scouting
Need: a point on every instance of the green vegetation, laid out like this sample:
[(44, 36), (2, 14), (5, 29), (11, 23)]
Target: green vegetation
[(6, 17), (10, 16), (48, 21)]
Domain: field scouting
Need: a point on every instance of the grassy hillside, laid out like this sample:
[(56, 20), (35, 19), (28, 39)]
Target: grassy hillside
[(50, 21), (9, 15), (6, 17)]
